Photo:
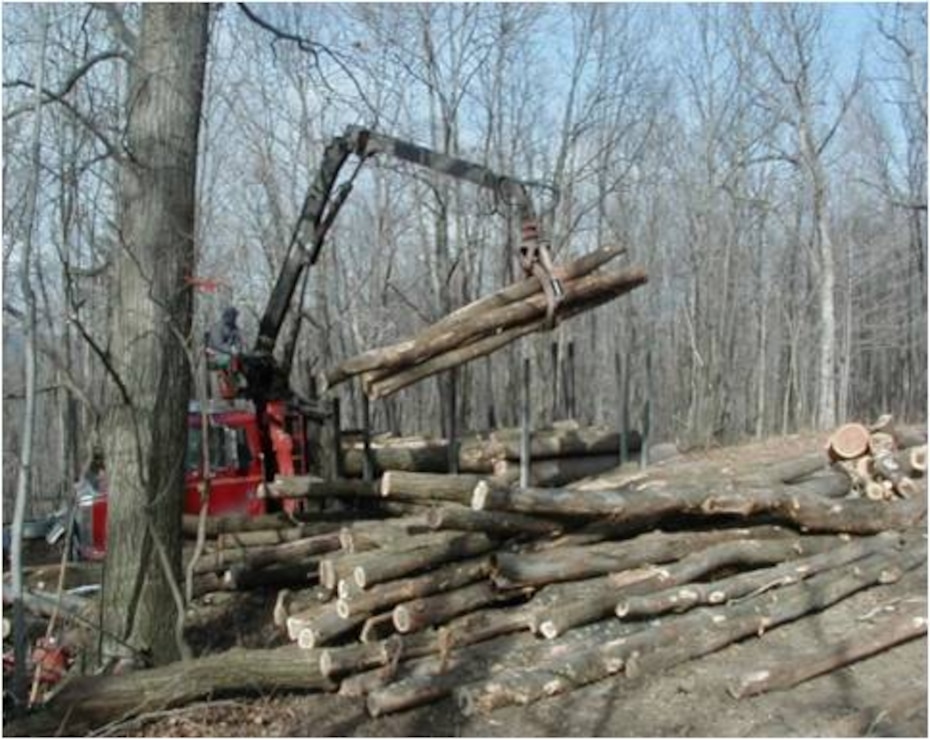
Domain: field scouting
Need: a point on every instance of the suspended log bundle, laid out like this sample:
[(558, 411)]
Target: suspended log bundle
[(484, 326), (498, 595)]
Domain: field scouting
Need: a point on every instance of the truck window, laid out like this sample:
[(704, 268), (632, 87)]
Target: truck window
[(228, 448)]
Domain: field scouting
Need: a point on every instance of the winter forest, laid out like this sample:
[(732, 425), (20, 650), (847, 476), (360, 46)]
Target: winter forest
[(766, 164)]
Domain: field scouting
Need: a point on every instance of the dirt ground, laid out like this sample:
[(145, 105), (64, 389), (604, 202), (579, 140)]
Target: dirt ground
[(885, 695)]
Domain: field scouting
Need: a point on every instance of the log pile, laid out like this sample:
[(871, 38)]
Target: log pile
[(881, 461), (497, 595), (617, 574), (560, 454), (485, 325)]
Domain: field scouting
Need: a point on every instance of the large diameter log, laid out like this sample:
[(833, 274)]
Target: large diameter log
[(574, 563), (848, 442), (395, 565), (652, 498), (429, 486), (909, 622), (684, 638), (456, 327), (92, 701), (381, 386), (418, 454), (386, 595)]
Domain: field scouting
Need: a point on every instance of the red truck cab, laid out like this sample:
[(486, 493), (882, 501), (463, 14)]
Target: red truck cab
[(234, 474)]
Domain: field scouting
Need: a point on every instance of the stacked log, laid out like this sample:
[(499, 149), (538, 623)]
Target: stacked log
[(881, 460), (485, 326), (526, 593)]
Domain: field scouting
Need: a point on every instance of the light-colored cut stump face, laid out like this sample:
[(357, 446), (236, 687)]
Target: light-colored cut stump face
[(849, 441)]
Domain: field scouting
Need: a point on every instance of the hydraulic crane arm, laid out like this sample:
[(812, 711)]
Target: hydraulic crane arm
[(321, 207)]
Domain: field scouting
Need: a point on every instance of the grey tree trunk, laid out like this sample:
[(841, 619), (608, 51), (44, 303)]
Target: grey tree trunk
[(145, 429)]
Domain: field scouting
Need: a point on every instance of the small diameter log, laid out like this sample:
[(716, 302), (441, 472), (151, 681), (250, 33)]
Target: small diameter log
[(887, 467), (393, 532), (602, 602), (386, 595), (289, 552), (498, 523), (419, 454), (261, 537), (416, 615), (338, 566), (466, 630), (848, 442), (718, 592), (909, 623), (398, 564), (455, 328), (318, 627), (677, 640), (652, 498), (574, 563), (305, 486), (93, 701), (429, 486)]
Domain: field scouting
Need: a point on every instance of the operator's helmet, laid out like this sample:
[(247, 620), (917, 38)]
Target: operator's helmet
[(230, 314)]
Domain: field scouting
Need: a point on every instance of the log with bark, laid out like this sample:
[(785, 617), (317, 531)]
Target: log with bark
[(506, 325), (92, 701), (736, 586), (574, 563), (412, 616), (492, 522), (429, 487), (807, 504), (311, 487), (299, 551), (598, 603), (485, 453), (685, 637), (387, 595), (908, 623), (458, 327), (394, 565)]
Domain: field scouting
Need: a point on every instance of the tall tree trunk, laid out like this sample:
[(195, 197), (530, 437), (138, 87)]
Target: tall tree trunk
[(145, 430), (24, 479)]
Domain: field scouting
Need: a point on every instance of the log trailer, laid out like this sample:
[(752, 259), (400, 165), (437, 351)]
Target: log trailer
[(263, 427)]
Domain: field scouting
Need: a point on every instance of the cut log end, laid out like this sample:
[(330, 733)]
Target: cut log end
[(849, 442), (386, 484), (548, 630), (326, 664), (402, 621), (358, 575), (918, 459), (343, 609), (479, 498), (306, 639)]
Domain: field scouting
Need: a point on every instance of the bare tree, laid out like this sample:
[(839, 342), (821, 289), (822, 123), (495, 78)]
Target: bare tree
[(146, 415)]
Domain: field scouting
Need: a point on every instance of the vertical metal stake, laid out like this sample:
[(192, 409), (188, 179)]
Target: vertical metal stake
[(647, 413), (368, 464), (623, 371), (525, 427), (453, 422)]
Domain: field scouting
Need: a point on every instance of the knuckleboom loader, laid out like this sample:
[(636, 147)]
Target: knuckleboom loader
[(260, 426)]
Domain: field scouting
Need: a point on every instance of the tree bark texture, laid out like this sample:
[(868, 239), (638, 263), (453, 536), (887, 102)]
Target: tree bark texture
[(908, 623), (684, 638), (145, 426)]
